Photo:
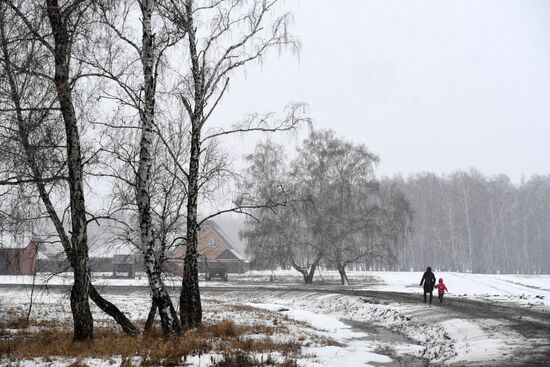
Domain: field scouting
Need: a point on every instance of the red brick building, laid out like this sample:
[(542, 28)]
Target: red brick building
[(214, 247), (19, 261)]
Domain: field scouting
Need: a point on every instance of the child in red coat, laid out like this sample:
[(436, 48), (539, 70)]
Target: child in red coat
[(441, 289)]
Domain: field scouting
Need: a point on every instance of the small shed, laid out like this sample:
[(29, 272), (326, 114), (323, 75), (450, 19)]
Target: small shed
[(124, 266)]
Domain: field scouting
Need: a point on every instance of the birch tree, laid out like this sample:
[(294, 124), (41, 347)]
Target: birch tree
[(132, 71), (38, 60), (337, 178), (221, 37), (335, 214)]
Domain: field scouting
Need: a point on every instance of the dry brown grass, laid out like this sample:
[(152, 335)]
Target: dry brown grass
[(240, 359), (55, 340), (243, 308), (153, 350), (229, 337)]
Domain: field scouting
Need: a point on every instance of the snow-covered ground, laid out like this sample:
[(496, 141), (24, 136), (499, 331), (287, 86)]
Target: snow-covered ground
[(324, 337), (434, 333), (521, 288), (440, 334)]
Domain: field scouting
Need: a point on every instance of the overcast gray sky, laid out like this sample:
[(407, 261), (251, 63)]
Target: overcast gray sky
[(427, 85)]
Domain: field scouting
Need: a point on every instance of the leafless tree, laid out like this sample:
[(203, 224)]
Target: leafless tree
[(37, 53), (137, 75), (395, 226), (336, 215), (337, 178), (221, 37), (134, 68), (280, 235)]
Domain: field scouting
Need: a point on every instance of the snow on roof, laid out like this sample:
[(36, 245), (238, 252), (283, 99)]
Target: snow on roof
[(225, 237)]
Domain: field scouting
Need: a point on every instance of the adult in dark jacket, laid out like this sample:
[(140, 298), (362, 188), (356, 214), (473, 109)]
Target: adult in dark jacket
[(428, 279)]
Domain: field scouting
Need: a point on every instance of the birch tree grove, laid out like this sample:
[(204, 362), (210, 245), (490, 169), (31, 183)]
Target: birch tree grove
[(470, 222)]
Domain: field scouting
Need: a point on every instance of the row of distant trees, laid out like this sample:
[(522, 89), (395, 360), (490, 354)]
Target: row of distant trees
[(331, 210), (468, 221)]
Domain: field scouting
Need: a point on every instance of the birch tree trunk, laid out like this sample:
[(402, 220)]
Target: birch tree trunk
[(451, 232), (342, 271), (467, 215), (206, 84), (190, 299), (161, 298), (80, 307), (32, 161)]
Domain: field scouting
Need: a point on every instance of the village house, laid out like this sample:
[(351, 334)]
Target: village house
[(215, 248)]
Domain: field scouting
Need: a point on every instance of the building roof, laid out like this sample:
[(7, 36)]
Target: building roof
[(14, 242), (230, 246)]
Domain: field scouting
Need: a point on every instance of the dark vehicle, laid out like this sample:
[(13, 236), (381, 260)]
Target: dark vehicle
[(215, 270)]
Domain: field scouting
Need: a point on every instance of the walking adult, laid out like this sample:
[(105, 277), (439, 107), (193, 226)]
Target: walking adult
[(428, 280)]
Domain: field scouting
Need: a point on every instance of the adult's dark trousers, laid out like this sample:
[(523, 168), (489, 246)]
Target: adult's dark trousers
[(426, 292)]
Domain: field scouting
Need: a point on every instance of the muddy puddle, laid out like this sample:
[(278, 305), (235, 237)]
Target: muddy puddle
[(389, 340)]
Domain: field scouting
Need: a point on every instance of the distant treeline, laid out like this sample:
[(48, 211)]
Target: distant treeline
[(467, 221)]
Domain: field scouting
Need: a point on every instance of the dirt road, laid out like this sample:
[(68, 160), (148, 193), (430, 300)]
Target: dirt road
[(531, 348), (532, 325)]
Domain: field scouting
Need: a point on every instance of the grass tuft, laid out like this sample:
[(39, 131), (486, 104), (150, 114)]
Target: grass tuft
[(242, 359)]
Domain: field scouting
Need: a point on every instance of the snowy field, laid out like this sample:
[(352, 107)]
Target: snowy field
[(507, 287), (351, 329), (519, 288)]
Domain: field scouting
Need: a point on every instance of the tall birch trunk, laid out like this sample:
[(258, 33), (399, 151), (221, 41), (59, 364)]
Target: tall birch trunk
[(451, 231), (161, 298), (80, 307), (467, 214), (190, 299)]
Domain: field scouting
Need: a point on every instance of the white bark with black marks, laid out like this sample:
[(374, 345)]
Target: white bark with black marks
[(169, 321)]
